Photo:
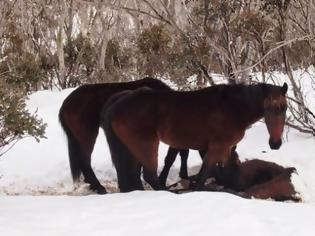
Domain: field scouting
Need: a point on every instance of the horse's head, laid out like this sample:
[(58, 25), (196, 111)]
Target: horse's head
[(275, 106)]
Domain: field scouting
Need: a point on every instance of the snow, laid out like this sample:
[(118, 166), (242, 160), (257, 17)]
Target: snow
[(153, 213), (37, 196)]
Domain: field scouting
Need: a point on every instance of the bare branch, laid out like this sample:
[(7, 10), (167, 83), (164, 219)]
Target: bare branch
[(279, 45)]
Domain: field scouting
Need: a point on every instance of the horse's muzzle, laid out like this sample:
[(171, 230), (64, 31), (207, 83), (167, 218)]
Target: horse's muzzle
[(275, 145)]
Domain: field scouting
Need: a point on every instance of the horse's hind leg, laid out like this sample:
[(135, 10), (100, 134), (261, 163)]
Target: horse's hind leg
[(146, 152), (150, 165), (87, 140), (202, 153), (128, 174), (138, 143), (91, 178), (150, 176), (81, 140), (168, 162)]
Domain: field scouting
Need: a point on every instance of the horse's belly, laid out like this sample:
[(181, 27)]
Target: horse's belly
[(181, 141), (195, 133)]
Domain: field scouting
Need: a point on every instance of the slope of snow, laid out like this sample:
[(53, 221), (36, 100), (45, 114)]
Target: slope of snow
[(33, 168)]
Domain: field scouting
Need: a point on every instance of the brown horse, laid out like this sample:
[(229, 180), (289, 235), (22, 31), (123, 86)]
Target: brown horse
[(212, 119), (79, 116), (257, 178)]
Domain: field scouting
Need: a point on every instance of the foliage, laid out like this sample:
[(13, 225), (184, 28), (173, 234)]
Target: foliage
[(16, 122)]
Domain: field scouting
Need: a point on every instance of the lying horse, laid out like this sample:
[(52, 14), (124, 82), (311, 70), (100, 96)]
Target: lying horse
[(257, 178), (79, 116), (212, 119)]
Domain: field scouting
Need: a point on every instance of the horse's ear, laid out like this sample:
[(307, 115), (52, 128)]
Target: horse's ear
[(284, 88)]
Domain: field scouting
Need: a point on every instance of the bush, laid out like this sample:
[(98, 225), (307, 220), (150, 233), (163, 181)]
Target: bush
[(16, 122)]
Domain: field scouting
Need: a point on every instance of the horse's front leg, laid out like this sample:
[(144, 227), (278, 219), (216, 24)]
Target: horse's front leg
[(168, 162), (183, 173), (193, 178), (213, 157)]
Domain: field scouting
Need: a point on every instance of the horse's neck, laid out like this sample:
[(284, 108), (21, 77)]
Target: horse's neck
[(252, 99)]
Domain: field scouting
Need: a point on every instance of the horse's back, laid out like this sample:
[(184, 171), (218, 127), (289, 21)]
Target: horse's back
[(88, 100), (102, 91)]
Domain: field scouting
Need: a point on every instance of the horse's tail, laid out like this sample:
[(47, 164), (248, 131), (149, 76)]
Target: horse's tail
[(73, 147), (117, 148)]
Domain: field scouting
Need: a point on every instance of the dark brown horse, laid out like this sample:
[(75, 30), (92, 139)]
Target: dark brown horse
[(79, 116), (257, 178), (212, 119)]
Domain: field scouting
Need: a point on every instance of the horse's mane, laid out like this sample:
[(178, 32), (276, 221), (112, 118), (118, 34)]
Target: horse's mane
[(226, 92), (251, 93)]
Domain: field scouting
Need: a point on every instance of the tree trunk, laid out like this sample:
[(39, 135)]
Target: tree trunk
[(59, 42)]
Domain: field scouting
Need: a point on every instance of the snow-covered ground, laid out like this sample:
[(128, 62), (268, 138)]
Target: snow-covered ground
[(37, 197)]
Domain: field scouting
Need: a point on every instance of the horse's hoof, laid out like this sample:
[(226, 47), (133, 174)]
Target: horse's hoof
[(162, 180), (191, 178), (243, 195), (171, 186), (192, 184), (99, 189), (183, 176)]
